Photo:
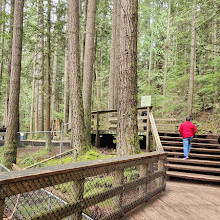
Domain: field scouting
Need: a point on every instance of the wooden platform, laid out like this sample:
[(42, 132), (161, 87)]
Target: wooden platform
[(181, 201)]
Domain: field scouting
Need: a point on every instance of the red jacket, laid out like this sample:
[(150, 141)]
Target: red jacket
[(187, 129)]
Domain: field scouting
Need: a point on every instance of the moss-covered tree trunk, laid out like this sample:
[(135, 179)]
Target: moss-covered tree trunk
[(127, 132), (11, 141), (78, 138)]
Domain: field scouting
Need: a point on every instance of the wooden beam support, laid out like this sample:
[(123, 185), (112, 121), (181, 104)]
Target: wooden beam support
[(143, 172), (148, 131), (97, 140), (118, 181)]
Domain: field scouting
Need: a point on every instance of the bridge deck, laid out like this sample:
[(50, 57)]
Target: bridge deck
[(181, 201)]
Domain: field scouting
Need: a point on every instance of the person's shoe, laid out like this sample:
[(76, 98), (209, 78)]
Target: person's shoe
[(184, 158), (187, 157)]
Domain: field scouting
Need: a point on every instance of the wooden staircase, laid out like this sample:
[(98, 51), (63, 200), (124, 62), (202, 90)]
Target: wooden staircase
[(204, 160)]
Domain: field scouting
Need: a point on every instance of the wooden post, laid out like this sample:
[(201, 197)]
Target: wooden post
[(2, 202), (161, 168), (118, 180), (97, 131), (76, 195), (143, 171), (2, 207), (154, 144), (148, 131)]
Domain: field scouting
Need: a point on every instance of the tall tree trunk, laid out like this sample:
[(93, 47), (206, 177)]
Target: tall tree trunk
[(151, 51), (2, 43), (36, 107), (117, 57), (9, 60), (192, 60), (41, 68), (66, 92), (112, 58), (47, 128), (84, 37), (127, 132), (55, 63), (78, 139), (33, 95), (11, 142), (88, 66), (166, 50)]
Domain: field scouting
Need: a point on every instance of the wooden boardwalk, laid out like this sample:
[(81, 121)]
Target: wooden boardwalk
[(181, 201)]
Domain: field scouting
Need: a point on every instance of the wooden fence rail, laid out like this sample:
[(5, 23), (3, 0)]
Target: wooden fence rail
[(108, 188), (106, 122)]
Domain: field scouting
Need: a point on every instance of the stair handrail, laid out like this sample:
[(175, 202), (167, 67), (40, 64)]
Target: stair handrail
[(159, 146)]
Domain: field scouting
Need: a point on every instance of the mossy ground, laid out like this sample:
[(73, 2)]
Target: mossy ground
[(30, 155)]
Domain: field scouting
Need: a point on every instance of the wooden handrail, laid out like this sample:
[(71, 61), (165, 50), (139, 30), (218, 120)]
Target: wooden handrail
[(25, 181), (115, 110), (41, 172), (155, 133)]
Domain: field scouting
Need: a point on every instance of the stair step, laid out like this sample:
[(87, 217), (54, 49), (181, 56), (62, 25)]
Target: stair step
[(180, 139), (194, 161), (193, 149), (194, 168), (193, 144), (176, 134), (195, 155), (194, 176)]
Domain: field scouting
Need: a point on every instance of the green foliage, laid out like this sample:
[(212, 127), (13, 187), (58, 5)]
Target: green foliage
[(175, 103)]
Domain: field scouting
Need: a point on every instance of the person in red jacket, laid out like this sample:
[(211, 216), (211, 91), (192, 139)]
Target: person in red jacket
[(187, 131)]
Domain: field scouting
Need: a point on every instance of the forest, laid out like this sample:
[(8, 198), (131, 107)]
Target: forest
[(62, 60)]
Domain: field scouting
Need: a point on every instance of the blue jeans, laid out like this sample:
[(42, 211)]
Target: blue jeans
[(187, 143)]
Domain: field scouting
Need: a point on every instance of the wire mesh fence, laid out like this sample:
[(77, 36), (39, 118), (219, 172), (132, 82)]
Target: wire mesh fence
[(87, 190)]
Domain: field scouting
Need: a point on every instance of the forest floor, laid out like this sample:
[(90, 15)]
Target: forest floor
[(30, 155)]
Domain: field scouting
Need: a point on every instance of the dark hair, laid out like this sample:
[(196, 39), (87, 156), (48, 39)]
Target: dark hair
[(188, 118)]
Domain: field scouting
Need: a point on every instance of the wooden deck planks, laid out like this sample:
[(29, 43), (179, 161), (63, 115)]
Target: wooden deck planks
[(181, 201)]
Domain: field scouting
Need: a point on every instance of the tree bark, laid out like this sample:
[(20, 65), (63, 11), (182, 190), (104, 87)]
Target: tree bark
[(88, 66), (33, 95), (127, 133), (55, 65), (9, 60), (11, 142), (48, 134), (41, 68), (192, 60), (2, 43), (166, 50), (112, 59), (66, 93), (78, 139), (83, 37)]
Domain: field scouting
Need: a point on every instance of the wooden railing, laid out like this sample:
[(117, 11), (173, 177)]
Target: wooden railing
[(168, 124), (106, 122), (109, 187)]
